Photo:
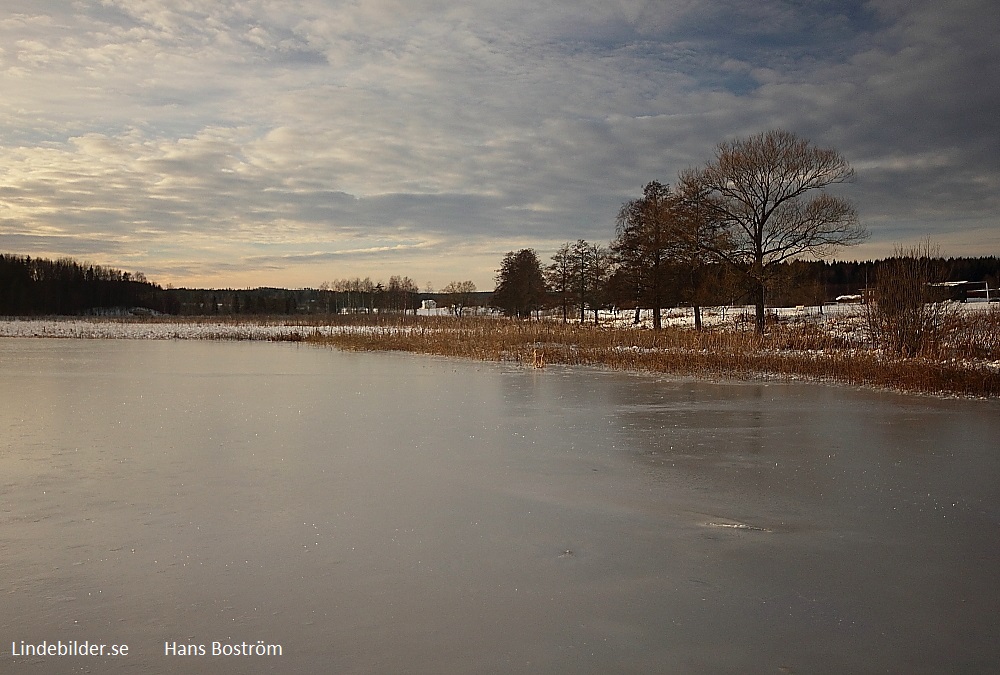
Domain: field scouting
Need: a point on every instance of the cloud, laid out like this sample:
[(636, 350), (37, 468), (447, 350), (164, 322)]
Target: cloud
[(312, 134)]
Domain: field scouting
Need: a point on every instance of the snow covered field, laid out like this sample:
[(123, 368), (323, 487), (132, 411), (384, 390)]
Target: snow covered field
[(844, 320), (832, 314), (157, 330)]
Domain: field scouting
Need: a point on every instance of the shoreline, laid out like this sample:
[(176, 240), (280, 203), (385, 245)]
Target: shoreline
[(788, 353)]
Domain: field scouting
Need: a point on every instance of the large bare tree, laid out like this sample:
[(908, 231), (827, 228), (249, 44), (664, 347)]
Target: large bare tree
[(766, 196)]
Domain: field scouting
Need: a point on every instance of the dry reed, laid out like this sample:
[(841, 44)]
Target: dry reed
[(964, 361), (797, 351)]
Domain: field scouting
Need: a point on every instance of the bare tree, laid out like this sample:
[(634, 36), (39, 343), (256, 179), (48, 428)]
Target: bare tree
[(663, 247), (589, 270), (460, 294), (694, 254), (595, 267), (766, 196), (905, 315), (642, 243), (559, 275)]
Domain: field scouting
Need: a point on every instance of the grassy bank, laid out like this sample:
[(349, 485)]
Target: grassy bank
[(795, 351), (964, 358)]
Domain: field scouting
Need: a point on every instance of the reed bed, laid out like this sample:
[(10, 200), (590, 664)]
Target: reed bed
[(786, 351), (972, 336), (964, 361)]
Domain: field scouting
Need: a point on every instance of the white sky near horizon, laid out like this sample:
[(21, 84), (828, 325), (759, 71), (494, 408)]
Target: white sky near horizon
[(243, 143)]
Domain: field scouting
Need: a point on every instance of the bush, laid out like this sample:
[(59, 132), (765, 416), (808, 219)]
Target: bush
[(904, 316)]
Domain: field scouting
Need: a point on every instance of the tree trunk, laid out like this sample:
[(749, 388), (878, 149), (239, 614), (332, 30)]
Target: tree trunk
[(697, 317), (760, 308)]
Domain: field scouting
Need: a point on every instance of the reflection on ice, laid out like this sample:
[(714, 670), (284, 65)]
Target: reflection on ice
[(390, 513)]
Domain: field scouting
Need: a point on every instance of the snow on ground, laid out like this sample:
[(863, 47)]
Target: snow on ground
[(141, 330), (843, 320), (836, 317), (733, 316)]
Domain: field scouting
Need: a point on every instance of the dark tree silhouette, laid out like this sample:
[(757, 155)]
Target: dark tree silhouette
[(41, 286), (561, 277), (643, 243), (767, 197), (520, 288)]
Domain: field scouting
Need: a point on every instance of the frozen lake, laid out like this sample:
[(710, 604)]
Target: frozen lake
[(385, 513)]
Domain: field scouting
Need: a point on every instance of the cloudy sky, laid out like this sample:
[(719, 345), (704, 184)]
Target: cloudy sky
[(239, 143)]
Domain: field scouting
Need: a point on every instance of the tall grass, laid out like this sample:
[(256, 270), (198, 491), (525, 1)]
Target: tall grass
[(964, 360), (785, 350)]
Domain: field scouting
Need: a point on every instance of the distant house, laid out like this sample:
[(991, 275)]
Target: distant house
[(428, 304)]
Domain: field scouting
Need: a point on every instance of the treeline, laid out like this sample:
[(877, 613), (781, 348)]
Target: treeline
[(740, 229), (38, 286), (845, 277), (346, 296), (582, 278), (351, 297), (34, 286)]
